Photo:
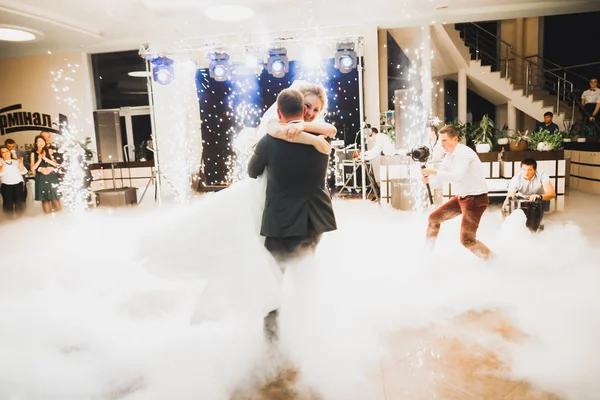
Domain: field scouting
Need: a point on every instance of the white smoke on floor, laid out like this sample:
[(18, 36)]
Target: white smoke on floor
[(82, 316)]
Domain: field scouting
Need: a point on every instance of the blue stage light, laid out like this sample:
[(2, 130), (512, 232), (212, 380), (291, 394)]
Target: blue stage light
[(162, 70), (218, 68)]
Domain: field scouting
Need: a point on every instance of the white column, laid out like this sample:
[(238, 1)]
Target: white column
[(519, 75), (439, 95), (462, 96), (511, 116), (383, 70), (371, 75)]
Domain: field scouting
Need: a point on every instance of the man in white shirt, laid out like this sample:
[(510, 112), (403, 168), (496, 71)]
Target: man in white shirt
[(590, 100), (462, 168), (531, 185), (379, 143)]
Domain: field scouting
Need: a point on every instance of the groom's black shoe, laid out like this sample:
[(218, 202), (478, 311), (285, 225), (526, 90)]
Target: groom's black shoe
[(271, 327)]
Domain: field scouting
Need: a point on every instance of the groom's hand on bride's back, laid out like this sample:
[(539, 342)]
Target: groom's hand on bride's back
[(321, 144)]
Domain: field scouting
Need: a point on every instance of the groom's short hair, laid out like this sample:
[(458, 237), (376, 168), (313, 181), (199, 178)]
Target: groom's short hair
[(290, 103)]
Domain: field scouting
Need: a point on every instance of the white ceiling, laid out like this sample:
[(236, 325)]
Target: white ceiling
[(96, 26)]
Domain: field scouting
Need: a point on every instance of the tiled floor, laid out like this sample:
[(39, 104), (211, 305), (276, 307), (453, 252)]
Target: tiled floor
[(433, 363), (441, 366)]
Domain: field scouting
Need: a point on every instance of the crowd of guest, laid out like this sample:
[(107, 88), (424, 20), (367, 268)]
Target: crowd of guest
[(40, 165)]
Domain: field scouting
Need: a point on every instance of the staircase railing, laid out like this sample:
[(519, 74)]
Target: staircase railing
[(568, 73), (528, 73)]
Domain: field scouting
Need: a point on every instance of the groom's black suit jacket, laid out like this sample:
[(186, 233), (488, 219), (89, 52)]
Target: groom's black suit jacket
[(296, 191)]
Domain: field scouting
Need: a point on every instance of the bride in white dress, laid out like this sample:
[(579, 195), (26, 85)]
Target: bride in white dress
[(243, 280)]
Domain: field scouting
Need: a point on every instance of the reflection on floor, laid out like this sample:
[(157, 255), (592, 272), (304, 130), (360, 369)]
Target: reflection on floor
[(441, 366), (433, 363)]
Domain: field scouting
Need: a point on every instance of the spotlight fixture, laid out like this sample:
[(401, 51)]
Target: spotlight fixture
[(277, 63), (162, 70), (345, 57), (218, 68)]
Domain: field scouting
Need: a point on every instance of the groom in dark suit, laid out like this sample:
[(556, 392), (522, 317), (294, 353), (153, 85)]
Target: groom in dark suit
[(297, 207)]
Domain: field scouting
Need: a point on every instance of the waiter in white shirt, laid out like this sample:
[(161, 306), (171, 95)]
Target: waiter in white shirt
[(462, 168), (378, 144), (590, 100)]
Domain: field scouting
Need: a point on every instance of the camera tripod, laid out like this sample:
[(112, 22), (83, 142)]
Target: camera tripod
[(156, 177)]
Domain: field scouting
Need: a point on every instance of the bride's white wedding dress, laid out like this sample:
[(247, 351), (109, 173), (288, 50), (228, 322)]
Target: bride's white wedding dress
[(242, 278)]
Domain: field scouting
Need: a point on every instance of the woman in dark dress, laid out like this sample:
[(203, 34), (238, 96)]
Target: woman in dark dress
[(43, 165)]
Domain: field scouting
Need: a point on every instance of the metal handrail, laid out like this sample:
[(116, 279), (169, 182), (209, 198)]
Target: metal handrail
[(566, 69), (578, 65), (492, 34), (545, 60), (562, 86)]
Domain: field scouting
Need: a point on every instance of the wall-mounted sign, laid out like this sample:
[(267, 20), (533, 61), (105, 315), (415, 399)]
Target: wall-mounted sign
[(13, 119)]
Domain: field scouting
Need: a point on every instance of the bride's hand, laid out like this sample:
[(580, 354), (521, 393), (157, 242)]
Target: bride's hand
[(322, 145), (293, 130)]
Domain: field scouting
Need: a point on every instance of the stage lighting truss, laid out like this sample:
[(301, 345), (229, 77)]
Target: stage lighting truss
[(218, 68), (162, 70), (277, 63), (345, 57)]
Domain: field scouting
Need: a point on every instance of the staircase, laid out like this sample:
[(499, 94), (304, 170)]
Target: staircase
[(500, 75)]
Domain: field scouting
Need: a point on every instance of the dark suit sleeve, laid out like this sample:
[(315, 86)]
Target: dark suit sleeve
[(258, 162)]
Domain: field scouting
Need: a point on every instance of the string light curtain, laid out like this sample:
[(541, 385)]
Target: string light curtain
[(227, 107)]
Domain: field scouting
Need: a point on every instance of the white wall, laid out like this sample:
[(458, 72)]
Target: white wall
[(29, 81)]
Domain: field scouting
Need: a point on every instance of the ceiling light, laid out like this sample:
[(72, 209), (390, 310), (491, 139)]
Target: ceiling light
[(16, 35), (139, 74), (228, 13)]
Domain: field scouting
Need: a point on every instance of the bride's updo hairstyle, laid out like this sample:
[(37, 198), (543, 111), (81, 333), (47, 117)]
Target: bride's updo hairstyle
[(317, 90)]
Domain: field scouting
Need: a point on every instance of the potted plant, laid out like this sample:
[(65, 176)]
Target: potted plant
[(518, 140), (544, 140), (463, 129), (566, 136), (582, 132), (483, 135), (502, 135), (140, 153)]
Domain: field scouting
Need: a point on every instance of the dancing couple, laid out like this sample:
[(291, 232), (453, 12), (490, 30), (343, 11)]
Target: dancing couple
[(297, 208), (250, 231)]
